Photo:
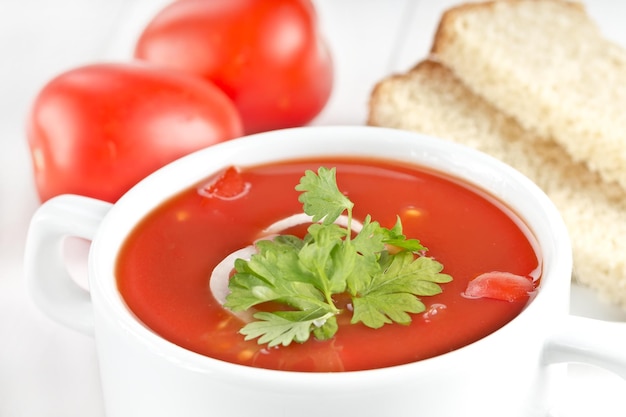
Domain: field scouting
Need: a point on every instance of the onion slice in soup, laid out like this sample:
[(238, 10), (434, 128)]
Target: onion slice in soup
[(218, 282)]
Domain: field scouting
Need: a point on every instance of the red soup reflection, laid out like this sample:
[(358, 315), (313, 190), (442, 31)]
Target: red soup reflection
[(164, 266)]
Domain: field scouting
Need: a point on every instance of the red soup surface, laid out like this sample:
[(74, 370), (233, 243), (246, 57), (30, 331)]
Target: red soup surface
[(164, 267)]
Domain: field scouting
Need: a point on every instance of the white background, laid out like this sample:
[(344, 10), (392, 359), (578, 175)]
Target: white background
[(47, 370)]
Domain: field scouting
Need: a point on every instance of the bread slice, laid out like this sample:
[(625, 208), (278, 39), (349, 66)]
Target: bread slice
[(431, 100), (545, 63)]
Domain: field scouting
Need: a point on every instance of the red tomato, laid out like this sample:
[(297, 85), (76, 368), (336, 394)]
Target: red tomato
[(99, 129), (266, 55), (500, 286), (228, 185)]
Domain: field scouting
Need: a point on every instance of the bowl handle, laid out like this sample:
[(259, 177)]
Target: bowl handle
[(590, 341), (47, 278)]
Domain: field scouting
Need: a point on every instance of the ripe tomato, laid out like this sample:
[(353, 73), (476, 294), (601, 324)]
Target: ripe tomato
[(267, 56), (99, 129), (501, 286), (227, 186)]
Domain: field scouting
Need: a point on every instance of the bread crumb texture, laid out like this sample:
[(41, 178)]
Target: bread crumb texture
[(430, 99), (547, 64)]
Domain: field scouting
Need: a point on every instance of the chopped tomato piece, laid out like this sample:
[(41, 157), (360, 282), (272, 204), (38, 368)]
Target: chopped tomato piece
[(227, 186), (500, 286)]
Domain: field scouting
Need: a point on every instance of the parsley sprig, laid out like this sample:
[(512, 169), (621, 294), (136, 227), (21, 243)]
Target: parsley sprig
[(381, 270)]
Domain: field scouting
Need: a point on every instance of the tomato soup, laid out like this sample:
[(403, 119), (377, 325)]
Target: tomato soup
[(164, 267)]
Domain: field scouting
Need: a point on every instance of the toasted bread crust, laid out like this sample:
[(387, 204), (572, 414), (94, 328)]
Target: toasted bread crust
[(430, 99), (545, 63), (445, 32)]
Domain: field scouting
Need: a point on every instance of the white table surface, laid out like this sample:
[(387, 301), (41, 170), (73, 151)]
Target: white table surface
[(47, 370)]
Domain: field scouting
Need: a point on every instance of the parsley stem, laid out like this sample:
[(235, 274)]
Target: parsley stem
[(331, 303), (349, 227), (328, 294)]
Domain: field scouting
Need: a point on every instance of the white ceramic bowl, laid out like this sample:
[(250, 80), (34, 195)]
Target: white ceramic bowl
[(509, 372)]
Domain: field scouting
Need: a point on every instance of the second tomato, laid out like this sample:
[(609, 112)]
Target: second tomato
[(99, 129), (266, 55)]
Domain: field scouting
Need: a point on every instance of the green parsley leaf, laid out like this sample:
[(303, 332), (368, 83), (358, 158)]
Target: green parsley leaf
[(395, 238), (391, 294), (376, 310), (273, 274), (283, 327), (380, 269), (321, 197), (329, 259)]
